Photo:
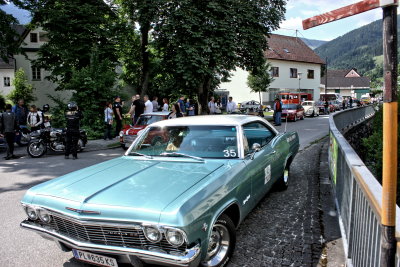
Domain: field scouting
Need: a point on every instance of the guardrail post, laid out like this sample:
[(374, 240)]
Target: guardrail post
[(390, 125)]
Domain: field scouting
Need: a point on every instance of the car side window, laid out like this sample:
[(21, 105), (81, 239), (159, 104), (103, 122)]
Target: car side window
[(257, 132)]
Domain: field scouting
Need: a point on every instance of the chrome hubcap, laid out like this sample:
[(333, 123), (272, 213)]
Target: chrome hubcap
[(218, 245), (286, 175), (36, 149)]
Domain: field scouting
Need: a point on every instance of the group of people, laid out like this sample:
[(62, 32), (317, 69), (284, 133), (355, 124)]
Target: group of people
[(17, 117)]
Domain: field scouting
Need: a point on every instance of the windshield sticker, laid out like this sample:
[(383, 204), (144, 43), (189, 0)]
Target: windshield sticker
[(267, 174), (231, 153)]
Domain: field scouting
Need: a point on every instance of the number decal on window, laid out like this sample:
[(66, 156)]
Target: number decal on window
[(229, 153)]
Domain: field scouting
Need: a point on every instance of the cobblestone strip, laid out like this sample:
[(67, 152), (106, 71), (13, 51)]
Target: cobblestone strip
[(285, 228)]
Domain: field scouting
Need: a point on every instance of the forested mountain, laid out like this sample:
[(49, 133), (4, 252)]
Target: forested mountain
[(313, 43), (358, 48)]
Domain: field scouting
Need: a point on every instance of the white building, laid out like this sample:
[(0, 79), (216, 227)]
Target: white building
[(7, 71), (295, 68), (31, 41)]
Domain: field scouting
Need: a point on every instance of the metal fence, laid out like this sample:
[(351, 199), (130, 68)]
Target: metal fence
[(358, 193)]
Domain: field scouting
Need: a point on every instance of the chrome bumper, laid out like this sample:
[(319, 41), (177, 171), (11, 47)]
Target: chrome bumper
[(191, 259), (128, 139)]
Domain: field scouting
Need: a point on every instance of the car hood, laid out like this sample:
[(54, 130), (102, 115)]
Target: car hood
[(124, 188)]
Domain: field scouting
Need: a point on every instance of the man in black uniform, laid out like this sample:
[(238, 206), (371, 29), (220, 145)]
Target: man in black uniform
[(8, 128), (73, 117), (117, 110)]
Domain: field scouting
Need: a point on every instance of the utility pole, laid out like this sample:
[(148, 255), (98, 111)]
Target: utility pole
[(390, 126), (326, 76)]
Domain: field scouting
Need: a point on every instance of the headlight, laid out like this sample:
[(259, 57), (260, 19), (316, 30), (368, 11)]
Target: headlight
[(175, 237), (44, 216), (31, 212), (152, 234)]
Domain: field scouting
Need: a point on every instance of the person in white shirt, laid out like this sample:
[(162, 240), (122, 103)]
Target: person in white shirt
[(165, 105), (211, 106), (34, 119), (231, 105), (148, 105)]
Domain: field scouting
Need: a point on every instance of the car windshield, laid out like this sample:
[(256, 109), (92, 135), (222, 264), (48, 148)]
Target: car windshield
[(148, 119), (207, 141), (307, 103), (289, 106)]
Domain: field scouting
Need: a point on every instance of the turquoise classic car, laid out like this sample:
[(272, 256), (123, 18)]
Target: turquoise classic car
[(175, 198)]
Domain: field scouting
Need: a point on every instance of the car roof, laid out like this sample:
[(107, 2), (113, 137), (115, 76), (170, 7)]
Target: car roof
[(158, 113), (231, 120)]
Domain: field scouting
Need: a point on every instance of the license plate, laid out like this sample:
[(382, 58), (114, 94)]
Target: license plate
[(94, 258)]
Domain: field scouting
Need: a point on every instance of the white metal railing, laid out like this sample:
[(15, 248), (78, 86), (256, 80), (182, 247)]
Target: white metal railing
[(358, 194)]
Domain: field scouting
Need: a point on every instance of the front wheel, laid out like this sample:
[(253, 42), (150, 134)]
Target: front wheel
[(221, 243), (36, 149), (24, 139)]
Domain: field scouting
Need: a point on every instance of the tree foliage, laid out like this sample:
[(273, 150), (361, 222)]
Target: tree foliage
[(74, 29), (200, 42), (23, 89), (93, 86), (9, 39), (260, 82), (355, 49)]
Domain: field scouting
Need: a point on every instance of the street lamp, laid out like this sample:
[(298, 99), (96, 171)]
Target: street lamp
[(299, 77)]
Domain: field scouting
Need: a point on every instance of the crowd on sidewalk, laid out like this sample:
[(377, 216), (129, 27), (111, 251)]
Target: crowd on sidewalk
[(113, 113)]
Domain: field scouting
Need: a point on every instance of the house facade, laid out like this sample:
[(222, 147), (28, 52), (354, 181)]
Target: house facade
[(295, 68), (7, 70), (347, 83), (31, 41)]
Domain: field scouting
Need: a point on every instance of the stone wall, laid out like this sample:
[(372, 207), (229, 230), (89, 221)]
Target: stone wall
[(355, 135)]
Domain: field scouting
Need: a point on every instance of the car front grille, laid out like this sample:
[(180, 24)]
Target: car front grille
[(108, 234)]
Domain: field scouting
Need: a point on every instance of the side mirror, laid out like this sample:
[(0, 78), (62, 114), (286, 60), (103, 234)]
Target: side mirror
[(256, 148)]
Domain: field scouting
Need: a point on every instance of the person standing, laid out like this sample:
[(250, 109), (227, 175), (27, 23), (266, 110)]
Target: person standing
[(351, 102), (326, 105), (165, 105), (21, 112), (156, 106), (344, 103), (108, 120), (131, 111), (230, 106), (73, 117), (176, 112), (211, 106), (137, 108), (117, 110), (8, 128), (218, 107), (35, 119), (148, 105), (182, 104), (277, 111)]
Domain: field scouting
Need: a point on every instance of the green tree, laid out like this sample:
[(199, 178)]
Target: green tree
[(260, 82), (74, 29), (200, 42), (93, 86), (23, 89), (9, 39)]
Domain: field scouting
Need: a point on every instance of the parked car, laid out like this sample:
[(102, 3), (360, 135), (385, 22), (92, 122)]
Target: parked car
[(321, 107), (253, 105), (310, 108), (176, 202), (292, 112), (336, 105), (129, 132)]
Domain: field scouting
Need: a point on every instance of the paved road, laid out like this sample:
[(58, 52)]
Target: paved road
[(282, 230)]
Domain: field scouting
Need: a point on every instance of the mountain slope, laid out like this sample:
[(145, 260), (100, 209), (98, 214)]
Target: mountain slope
[(355, 49), (313, 43)]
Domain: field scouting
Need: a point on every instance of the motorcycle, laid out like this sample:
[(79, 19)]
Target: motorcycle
[(53, 139), (23, 137)]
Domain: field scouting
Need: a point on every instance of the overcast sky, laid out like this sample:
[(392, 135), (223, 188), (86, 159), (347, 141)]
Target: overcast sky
[(296, 11)]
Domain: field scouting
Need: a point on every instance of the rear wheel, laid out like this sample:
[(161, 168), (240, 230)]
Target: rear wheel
[(36, 149), (283, 182), (221, 243)]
